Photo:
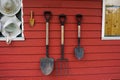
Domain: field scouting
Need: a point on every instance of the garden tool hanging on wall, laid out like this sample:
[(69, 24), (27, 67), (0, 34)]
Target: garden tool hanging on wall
[(79, 51), (47, 63), (32, 20), (62, 63)]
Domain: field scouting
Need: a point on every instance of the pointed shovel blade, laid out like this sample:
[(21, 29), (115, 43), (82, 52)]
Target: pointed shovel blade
[(31, 22), (79, 52), (47, 65)]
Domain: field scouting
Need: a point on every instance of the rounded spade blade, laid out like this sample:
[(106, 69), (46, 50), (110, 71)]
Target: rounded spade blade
[(79, 52), (47, 65)]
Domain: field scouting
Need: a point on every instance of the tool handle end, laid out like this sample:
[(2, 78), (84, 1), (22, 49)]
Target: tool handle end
[(62, 19), (47, 15), (79, 18)]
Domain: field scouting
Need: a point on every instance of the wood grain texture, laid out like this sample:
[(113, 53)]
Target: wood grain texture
[(63, 4), (84, 64), (68, 34), (71, 77), (56, 27), (55, 42), (81, 71), (21, 59), (71, 57), (67, 11)]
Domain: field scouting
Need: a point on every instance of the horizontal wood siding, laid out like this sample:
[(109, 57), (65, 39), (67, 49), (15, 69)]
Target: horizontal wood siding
[(21, 60)]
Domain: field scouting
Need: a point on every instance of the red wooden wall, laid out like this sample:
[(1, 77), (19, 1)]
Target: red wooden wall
[(21, 60)]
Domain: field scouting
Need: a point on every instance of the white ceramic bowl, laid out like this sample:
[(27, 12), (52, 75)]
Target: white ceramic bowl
[(10, 7), (11, 27)]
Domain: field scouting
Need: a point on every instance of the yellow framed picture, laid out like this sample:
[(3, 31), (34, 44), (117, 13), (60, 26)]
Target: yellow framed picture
[(111, 20)]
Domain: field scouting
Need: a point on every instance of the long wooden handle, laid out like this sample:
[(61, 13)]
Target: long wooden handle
[(62, 19), (62, 41), (47, 39), (79, 20), (79, 31), (31, 14), (47, 15), (47, 33), (62, 34), (78, 35)]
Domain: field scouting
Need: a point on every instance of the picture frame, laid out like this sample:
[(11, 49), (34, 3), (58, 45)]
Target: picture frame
[(111, 20)]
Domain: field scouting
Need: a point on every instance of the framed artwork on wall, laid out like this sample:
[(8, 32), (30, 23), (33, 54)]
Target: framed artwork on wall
[(111, 20)]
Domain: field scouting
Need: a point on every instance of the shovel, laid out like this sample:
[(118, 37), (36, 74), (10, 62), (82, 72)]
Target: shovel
[(79, 51), (47, 63), (32, 21)]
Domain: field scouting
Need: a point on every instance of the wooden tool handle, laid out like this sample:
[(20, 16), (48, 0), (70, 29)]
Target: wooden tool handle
[(47, 33), (62, 19), (79, 31), (31, 14), (62, 35), (47, 15), (79, 19)]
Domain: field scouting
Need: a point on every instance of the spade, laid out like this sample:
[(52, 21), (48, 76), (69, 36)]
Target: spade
[(79, 51)]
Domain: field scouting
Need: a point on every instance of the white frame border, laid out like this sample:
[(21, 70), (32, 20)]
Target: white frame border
[(22, 37), (103, 22)]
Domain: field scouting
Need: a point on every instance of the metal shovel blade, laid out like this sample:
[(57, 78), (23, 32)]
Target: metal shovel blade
[(79, 52), (47, 65)]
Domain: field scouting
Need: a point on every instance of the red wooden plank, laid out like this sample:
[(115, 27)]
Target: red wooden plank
[(99, 42), (80, 71), (56, 42), (67, 11), (62, 4), (71, 57), (68, 34), (56, 50), (77, 64), (73, 77), (56, 27), (100, 70), (70, 19)]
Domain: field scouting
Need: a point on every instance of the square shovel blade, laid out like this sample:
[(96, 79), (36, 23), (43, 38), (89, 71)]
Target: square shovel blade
[(79, 52), (47, 65)]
